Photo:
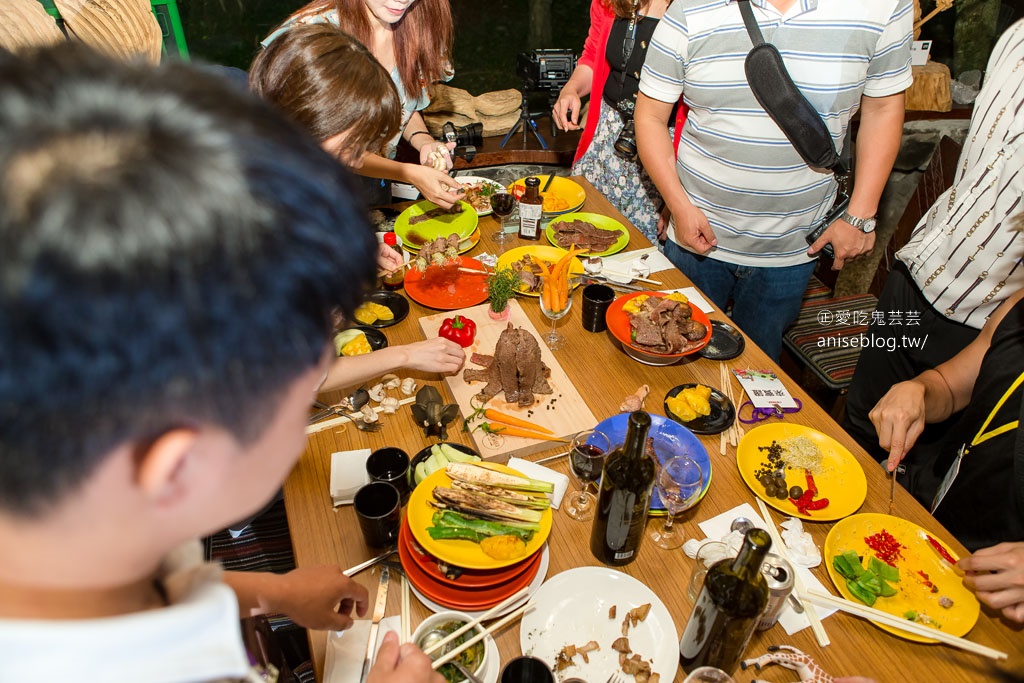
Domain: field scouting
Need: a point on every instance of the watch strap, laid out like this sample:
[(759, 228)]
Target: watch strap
[(862, 224)]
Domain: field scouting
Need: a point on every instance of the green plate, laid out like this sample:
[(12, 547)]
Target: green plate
[(603, 222), (415, 236)]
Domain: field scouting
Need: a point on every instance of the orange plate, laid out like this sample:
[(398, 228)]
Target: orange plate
[(471, 599), (618, 324), (445, 287), (410, 553)]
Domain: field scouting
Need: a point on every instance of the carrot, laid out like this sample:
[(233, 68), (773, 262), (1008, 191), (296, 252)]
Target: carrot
[(506, 430), (496, 416)]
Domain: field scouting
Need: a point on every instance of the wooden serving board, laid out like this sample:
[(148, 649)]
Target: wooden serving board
[(563, 412)]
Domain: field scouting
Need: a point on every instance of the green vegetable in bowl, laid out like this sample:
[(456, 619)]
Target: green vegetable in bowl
[(471, 658)]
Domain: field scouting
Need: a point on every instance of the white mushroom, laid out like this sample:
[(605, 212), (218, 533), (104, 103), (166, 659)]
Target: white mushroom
[(390, 381), (369, 414), (377, 392), (408, 386), (389, 405)]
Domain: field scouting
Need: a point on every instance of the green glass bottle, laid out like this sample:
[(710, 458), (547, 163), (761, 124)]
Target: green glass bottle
[(728, 608), (625, 496)]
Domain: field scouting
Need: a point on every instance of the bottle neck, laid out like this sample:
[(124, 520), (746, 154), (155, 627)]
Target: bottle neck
[(636, 434), (747, 564)]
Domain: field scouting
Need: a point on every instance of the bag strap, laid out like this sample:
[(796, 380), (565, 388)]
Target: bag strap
[(753, 30)]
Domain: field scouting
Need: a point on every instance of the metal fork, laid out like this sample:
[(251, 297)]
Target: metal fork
[(616, 678), (367, 427)]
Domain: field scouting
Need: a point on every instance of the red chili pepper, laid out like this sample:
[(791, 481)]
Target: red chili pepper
[(940, 550), (810, 484), (817, 504), (886, 547), (459, 329)]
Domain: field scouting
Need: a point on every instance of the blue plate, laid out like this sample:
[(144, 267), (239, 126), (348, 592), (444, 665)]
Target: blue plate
[(670, 439)]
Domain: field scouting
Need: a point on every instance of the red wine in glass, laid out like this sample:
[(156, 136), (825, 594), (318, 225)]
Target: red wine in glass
[(586, 461), (502, 204)]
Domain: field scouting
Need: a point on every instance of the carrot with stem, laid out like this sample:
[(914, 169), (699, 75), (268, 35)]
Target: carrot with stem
[(507, 430), (512, 420)]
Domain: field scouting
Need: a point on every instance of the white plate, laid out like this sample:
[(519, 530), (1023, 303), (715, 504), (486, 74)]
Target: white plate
[(470, 179), (572, 608), (542, 572)]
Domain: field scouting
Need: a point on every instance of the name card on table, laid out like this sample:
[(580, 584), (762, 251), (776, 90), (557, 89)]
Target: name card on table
[(765, 389)]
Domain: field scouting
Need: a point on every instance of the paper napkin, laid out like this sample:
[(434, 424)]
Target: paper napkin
[(346, 649), (694, 296), (535, 471), (717, 528), (623, 261), (348, 474)]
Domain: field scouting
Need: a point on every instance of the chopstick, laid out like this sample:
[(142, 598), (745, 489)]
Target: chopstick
[(735, 431), (798, 582), (452, 654), (405, 634), (894, 621), (342, 419), (476, 622)]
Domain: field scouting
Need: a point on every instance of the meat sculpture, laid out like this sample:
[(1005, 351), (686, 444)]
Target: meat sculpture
[(584, 235), (515, 368), (665, 325)]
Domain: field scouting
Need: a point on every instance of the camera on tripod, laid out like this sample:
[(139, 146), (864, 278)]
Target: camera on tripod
[(545, 69), (466, 138)]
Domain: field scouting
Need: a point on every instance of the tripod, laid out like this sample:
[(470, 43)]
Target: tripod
[(525, 122)]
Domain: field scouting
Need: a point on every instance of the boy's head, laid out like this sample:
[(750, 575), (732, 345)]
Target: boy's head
[(171, 251)]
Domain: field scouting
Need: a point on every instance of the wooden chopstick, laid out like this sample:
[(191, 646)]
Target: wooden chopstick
[(476, 622), (452, 654), (798, 583), (856, 609), (342, 419), (406, 616)]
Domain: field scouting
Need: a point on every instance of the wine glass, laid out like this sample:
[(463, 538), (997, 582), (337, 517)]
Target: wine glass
[(586, 460), (502, 204), (555, 309), (679, 482)]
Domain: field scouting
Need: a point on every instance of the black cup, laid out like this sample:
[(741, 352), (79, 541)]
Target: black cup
[(390, 465), (379, 509), (526, 670), (596, 299)]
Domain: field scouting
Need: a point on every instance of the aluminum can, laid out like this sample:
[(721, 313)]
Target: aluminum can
[(778, 572)]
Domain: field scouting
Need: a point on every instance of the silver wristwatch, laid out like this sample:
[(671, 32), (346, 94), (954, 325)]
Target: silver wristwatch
[(865, 225)]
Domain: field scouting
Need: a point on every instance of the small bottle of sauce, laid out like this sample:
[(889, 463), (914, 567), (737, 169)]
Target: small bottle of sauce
[(396, 279), (531, 206)]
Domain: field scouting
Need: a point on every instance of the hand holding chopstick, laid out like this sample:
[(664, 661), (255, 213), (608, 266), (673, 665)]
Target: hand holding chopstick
[(518, 595), (452, 654)]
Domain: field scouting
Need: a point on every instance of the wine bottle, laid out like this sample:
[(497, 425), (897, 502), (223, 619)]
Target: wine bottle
[(624, 497), (728, 608), (531, 208)]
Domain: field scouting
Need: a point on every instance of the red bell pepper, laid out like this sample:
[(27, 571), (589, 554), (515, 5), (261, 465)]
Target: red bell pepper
[(458, 329)]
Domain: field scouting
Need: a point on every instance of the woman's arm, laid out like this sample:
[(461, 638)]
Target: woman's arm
[(433, 184), (431, 355), (566, 110)]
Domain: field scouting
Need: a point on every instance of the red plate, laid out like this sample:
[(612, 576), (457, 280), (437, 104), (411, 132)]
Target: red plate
[(470, 599), (410, 553), (446, 288), (618, 324)]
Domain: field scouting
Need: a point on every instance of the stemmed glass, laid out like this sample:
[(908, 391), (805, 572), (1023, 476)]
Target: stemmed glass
[(554, 340), (586, 460), (679, 483), (502, 204)]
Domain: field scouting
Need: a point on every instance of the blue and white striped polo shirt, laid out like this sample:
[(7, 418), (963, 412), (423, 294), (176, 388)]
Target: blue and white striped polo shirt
[(734, 162)]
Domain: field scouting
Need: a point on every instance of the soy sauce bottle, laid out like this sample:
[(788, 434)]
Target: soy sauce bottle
[(728, 608), (625, 496)]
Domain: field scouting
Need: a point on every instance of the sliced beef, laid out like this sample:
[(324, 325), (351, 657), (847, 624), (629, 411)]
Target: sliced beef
[(435, 213), (673, 336), (584, 235), (515, 368), (505, 353), (529, 365), (481, 359), (648, 332)]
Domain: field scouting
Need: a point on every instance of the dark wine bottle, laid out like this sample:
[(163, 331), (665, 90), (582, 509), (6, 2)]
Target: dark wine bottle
[(728, 608), (624, 497)]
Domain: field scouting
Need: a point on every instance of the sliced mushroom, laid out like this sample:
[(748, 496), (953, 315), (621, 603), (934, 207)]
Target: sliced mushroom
[(377, 392), (390, 381), (408, 386), (369, 414), (389, 405)]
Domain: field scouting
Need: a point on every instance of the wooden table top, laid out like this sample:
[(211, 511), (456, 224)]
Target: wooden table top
[(323, 535)]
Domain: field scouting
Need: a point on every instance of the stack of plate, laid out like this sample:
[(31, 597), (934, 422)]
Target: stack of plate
[(480, 582)]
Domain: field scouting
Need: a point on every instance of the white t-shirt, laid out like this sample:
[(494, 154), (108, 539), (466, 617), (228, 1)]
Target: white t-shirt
[(196, 638)]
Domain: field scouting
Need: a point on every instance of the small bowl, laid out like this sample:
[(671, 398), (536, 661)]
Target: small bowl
[(436, 620)]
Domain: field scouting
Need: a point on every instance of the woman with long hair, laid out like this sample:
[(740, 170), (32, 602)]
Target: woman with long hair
[(412, 40), (609, 72), (329, 84)]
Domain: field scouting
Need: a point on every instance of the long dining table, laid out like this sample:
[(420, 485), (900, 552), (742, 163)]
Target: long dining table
[(322, 534)]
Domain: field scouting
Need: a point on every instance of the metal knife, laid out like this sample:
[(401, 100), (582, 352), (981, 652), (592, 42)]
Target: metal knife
[(352, 571), (378, 614)]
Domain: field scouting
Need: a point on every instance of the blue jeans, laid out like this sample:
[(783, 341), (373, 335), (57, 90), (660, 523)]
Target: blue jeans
[(765, 300)]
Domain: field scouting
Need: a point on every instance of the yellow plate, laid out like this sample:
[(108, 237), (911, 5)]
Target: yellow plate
[(568, 191), (912, 593), (841, 481), (465, 554), (544, 253)]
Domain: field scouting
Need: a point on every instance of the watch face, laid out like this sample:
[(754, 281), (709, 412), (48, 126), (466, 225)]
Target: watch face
[(869, 225)]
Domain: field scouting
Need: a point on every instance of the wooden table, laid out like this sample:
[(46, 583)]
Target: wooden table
[(322, 535)]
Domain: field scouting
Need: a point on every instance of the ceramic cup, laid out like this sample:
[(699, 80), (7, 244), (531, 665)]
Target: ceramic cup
[(596, 300), (379, 509), (391, 465), (526, 670)]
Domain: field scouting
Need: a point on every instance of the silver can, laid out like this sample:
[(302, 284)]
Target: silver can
[(778, 572)]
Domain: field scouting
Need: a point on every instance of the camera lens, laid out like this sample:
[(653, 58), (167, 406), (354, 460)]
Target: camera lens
[(625, 144)]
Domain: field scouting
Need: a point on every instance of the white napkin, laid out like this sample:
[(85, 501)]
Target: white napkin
[(348, 474), (346, 649), (535, 471), (717, 528), (695, 297), (622, 262)]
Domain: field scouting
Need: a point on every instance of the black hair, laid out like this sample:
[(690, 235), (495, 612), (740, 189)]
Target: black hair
[(171, 251)]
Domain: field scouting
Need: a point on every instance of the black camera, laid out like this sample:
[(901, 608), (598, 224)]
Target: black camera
[(547, 69), (625, 143), (466, 138)]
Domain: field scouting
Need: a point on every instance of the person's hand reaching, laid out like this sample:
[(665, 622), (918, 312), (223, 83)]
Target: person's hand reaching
[(434, 355), (319, 598), (899, 418), (566, 110), (388, 259), (401, 664), (996, 575), (436, 186)]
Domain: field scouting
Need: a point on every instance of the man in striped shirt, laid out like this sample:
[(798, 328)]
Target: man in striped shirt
[(741, 197), (964, 257)]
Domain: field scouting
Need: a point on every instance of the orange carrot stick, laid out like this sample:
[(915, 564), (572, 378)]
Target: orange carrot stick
[(499, 428), (496, 416)]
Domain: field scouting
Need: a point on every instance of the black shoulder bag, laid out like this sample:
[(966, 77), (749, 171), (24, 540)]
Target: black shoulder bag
[(799, 120)]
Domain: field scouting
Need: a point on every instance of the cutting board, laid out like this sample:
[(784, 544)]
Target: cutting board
[(563, 412)]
